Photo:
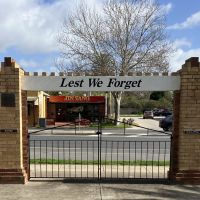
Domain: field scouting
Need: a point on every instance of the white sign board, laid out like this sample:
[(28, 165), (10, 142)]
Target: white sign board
[(101, 83)]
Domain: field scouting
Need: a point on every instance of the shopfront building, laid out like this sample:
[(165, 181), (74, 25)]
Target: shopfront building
[(71, 108), (36, 106)]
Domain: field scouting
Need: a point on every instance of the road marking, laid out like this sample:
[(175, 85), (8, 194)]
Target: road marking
[(130, 136), (114, 136), (106, 133), (140, 134)]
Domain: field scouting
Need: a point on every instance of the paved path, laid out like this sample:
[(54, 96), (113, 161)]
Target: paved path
[(77, 191), (91, 171), (148, 123)]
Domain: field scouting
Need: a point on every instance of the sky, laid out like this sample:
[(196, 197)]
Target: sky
[(29, 30)]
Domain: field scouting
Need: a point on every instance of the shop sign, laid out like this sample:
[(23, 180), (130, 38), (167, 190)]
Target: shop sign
[(101, 83), (76, 99)]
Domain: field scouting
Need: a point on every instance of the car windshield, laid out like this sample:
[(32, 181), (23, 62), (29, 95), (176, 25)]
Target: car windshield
[(149, 112)]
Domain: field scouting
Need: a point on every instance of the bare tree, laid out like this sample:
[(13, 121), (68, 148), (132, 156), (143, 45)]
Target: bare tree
[(125, 36)]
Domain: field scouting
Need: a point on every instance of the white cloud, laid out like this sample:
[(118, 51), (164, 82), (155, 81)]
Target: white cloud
[(166, 8), (31, 65), (180, 56), (32, 26), (193, 20), (28, 63), (182, 43)]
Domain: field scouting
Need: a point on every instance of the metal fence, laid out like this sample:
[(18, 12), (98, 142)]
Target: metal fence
[(101, 158)]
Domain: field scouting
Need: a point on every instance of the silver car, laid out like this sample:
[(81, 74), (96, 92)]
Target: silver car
[(148, 114)]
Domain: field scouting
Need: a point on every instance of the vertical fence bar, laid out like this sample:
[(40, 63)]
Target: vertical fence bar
[(64, 156), (87, 159), (117, 158), (81, 159), (106, 159), (170, 154), (100, 131), (164, 158), (152, 159), (111, 157), (69, 159), (58, 158), (129, 158), (123, 157), (34, 160), (29, 159), (99, 150), (147, 157), (75, 157), (93, 158), (135, 160), (52, 159), (46, 158), (40, 160), (159, 160), (141, 160), (100, 155)]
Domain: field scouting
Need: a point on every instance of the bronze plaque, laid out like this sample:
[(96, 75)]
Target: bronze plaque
[(7, 100)]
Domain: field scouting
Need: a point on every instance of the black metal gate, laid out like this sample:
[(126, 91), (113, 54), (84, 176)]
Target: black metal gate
[(115, 157)]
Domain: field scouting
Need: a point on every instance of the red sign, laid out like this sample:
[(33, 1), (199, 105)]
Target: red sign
[(76, 99)]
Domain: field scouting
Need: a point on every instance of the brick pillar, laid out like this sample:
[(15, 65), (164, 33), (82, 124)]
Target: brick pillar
[(186, 135), (13, 131), (25, 136), (174, 150)]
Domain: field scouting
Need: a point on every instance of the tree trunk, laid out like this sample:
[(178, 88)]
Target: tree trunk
[(117, 101)]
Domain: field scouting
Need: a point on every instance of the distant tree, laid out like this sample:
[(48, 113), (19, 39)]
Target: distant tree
[(125, 36), (157, 95)]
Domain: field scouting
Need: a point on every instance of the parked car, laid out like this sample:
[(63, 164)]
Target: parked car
[(148, 114), (167, 123), (162, 112), (166, 112), (156, 112)]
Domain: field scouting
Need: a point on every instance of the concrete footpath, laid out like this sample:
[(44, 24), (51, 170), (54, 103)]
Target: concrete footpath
[(59, 190)]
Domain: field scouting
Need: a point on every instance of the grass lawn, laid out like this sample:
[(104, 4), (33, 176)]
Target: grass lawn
[(103, 162)]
